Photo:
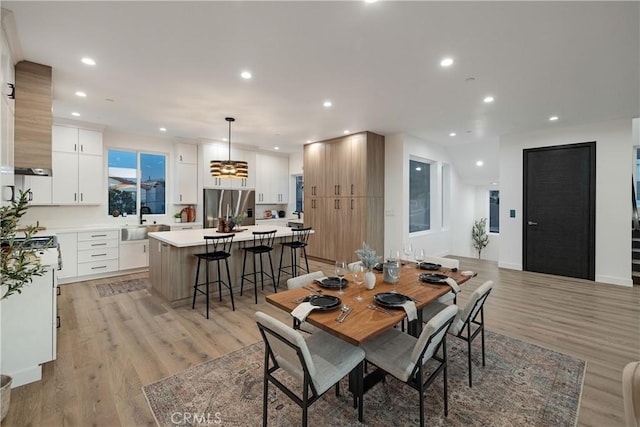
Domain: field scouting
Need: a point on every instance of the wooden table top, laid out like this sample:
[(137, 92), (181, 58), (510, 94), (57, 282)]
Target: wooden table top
[(364, 323)]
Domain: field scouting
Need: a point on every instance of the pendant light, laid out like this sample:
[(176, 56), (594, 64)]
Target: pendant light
[(229, 168)]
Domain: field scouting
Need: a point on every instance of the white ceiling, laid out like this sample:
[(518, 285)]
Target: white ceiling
[(178, 64)]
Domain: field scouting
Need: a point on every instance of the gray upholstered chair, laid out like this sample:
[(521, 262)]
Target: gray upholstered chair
[(446, 263), (403, 355), (316, 363), (631, 393), (465, 318), (299, 281)]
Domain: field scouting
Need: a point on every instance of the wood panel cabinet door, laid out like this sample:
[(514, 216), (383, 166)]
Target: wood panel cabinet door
[(314, 168), (350, 216), (315, 216), (358, 170), (337, 166)]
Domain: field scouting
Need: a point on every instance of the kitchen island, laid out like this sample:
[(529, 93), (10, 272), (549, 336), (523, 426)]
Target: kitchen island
[(172, 264)]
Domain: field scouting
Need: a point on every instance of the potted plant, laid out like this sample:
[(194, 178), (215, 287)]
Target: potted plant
[(178, 216), (238, 219), (369, 259), (18, 265), (479, 235)]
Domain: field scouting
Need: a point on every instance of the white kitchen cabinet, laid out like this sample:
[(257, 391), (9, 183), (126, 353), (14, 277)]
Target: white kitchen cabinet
[(7, 112), (186, 226), (272, 179), (69, 251), (78, 165), (40, 188), (134, 254), (97, 252), (186, 176)]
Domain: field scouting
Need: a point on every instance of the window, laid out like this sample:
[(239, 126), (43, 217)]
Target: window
[(136, 180), (494, 211), (299, 192), (446, 196), (419, 196)]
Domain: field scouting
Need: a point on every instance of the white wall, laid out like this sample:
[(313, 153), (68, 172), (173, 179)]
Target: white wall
[(455, 239), (73, 216), (613, 214)]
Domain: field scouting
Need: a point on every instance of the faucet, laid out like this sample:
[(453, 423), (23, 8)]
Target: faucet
[(144, 210), (298, 213)]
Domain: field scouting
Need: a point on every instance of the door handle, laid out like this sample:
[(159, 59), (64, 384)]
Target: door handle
[(532, 223)]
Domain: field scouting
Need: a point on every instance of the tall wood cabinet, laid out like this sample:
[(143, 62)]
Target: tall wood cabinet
[(344, 195)]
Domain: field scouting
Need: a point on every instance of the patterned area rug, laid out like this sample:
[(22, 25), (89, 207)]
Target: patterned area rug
[(108, 289), (521, 385)]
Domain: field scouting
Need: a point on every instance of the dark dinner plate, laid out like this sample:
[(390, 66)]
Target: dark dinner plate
[(433, 278), (390, 299), (429, 266), (324, 302), (332, 282), (378, 267)]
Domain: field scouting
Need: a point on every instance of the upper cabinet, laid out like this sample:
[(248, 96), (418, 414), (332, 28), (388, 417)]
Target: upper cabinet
[(272, 179), (6, 123), (186, 182), (220, 151), (78, 166)]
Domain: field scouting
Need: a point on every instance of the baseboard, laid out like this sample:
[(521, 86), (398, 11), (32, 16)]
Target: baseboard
[(510, 266), (620, 281)]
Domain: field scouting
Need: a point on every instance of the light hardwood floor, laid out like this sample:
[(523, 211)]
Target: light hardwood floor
[(109, 347)]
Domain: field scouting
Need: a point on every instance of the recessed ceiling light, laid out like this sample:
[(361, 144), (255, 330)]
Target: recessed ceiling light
[(276, 148), (327, 104), (488, 99), (446, 62), (109, 99), (245, 75), (88, 61), (553, 118), (75, 114), (346, 131), (370, 1), (309, 141), (452, 134), (81, 94), (163, 129), (224, 139), (479, 163), (494, 183)]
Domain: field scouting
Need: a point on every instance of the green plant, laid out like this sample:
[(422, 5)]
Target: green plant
[(18, 262), (237, 220), (367, 256), (479, 235), (177, 215)]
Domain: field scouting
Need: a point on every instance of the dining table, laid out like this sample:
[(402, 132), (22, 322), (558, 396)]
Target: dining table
[(367, 318)]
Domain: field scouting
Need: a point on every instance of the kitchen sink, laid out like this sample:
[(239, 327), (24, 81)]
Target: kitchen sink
[(139, 232)]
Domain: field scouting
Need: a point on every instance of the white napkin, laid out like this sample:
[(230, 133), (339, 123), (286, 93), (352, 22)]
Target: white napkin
[(468, 273), (453, 284), (410, 309), (302, 311)]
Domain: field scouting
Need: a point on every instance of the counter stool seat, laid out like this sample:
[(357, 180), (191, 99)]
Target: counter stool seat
[(299, 241), (262, 244), (218, 248)]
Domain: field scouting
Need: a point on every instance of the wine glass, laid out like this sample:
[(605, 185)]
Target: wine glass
[(341, 269), (419, 255), (358, 278), (394, 256), (394, 273), (407, 249)]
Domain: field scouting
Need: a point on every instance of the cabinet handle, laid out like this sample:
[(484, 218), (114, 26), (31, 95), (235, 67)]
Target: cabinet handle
[(30, 196), (144, 249), (351, 204), (181, 197), (339, 189), (98, 235), (94, 255), (75, 147), (75, 197), (352, 189), (180, 157), (58, 322), (98, 267), (98, 244), (81, 197), (58, 291), (82, 147), (12, 197)]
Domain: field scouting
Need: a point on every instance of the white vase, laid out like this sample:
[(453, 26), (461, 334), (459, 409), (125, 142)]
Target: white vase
[(369, 280)]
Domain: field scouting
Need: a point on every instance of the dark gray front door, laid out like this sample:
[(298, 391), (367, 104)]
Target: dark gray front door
[(559, 210)]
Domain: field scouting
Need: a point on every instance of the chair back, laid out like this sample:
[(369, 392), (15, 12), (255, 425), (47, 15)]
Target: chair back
[(431, 337), (286, 347), (218, 245), (300, 236), (631, 393), (473, 307), (305, 279), (445, 262), (264, 239), (353, 265)]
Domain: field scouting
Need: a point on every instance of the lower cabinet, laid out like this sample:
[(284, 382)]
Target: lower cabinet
[(68, 243), (97, 252), (134, 254)]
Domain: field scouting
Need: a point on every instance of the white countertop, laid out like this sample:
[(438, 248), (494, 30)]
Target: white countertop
[(186, 238)]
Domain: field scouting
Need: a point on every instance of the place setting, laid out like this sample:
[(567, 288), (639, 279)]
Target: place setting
[(395, 300)]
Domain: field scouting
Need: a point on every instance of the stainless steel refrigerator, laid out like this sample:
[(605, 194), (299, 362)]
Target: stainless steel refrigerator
[(223, 203)]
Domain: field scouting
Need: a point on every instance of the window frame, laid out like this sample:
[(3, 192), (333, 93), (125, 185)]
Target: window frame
[(432, 165)]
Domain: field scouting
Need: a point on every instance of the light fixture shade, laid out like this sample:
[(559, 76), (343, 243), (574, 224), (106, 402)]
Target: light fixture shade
[(229, 168)]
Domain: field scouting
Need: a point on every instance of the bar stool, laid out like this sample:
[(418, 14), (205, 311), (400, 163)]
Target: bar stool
[(299, 240), (217, 248), (262, 244)]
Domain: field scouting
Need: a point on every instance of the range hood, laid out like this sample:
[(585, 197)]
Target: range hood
[(33, 119)]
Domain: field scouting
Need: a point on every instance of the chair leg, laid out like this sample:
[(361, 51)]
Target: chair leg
[(306, 260), (275, 285), (265, 394), (195, 286), (469, 358), (219, 281), (360, 391), (261, 270), (255, 280), (294, 267), (280, 266), (444, 376), (206, 266), (421, 393), (233, 306), (482, 332), (244, 264)]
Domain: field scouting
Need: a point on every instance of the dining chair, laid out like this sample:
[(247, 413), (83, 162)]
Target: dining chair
[(446, 263), (316, 363), (465, 318), (404, 356), (631, 393), (297, 282)]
